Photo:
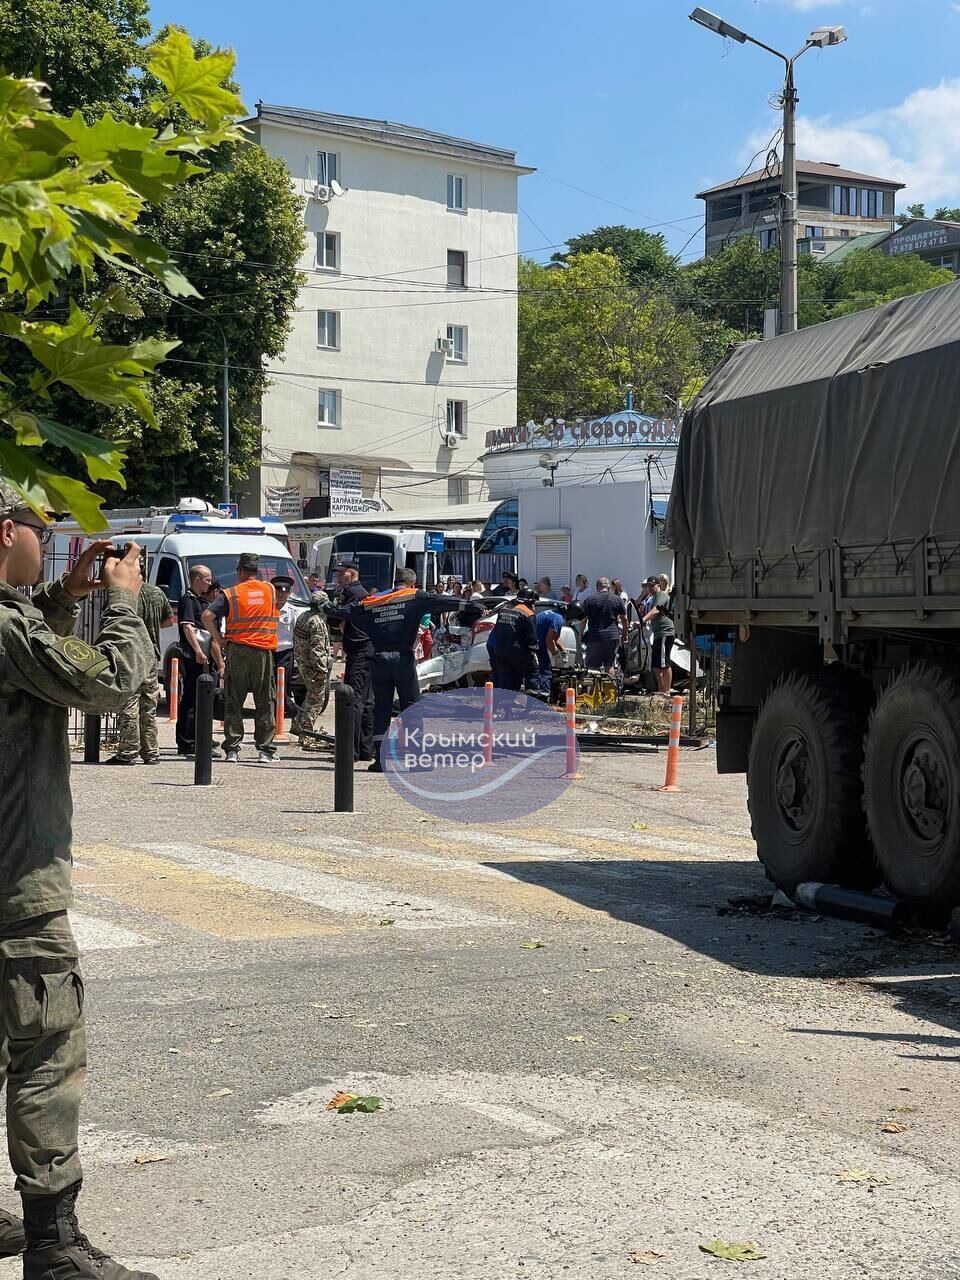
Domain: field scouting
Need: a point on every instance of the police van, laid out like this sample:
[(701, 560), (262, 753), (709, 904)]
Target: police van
[(176, 539)]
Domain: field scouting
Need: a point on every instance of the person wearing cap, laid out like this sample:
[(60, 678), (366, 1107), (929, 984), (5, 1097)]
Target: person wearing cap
[(137, 722), (249, 612), (358, 652), (513, 645), (45, 670), (311, 649), (283, 656)]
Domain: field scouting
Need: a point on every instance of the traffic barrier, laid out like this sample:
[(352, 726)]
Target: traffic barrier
[(571, 770), (488, 722), (173, 691), (279, 734), (91, 738), (673, 745), (343, 749), (203, 733)]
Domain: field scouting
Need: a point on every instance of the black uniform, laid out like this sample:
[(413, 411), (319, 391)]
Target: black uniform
[(358, 673), (190, 610), (513, 647), (390, 620)]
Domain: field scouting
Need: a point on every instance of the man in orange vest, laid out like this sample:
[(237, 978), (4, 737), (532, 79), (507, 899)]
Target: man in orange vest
[(252, 617)]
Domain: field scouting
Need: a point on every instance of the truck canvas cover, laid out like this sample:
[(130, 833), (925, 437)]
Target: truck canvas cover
[(845, 432)]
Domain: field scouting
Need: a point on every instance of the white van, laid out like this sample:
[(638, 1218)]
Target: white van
[(174, 542)]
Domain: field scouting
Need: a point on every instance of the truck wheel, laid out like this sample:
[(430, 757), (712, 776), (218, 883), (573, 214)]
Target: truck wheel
[(911, 779), (804, 782)]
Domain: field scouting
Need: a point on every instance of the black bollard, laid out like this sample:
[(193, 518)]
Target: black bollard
[(343, 749), (91, 739), (203, 733)]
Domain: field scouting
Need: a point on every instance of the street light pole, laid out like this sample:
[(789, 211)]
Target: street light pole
[(821, 38)]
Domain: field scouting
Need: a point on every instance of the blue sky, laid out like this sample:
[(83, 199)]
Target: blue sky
[(626, 99)]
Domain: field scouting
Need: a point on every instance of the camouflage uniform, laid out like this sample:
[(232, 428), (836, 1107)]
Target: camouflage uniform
[(137, 722), (44, 670), (311, 652)]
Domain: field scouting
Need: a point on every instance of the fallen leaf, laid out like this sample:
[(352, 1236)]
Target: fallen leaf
[(893, 1126), (387, 921), (907, 1110), (749, 1251), (649, 1256), (638, 826), (620, 1017), (532, 945), (576, 1039), (148, 1158), (346, 1103), (220, 1093), (863, 1175), (595, 971)]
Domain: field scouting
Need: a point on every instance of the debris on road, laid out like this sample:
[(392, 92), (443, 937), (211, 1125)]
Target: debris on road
[(346, 1103), (532, 944), (649, 1256), (864, 1176), (220, 1093), (893, 1126), (749, 1251)]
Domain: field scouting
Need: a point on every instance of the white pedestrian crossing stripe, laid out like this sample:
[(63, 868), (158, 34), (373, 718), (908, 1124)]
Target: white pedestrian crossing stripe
[(93, 934)]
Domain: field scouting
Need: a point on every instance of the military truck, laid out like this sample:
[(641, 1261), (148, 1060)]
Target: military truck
[(815, 516)]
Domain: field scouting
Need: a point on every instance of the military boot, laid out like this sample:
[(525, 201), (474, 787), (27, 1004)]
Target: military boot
[(12, 1238), (56, 1247)]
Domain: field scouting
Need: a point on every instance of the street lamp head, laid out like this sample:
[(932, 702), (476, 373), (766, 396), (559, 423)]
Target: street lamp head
[(710, 20), (823, 37)]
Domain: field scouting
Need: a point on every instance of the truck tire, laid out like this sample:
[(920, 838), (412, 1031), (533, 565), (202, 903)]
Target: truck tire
[(804, 782), (911, 776)]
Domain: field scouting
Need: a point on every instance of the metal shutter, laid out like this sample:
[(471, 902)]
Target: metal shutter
[(553, 557)]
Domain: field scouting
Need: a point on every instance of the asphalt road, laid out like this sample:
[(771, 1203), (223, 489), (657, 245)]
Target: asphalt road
[(649, 1077)]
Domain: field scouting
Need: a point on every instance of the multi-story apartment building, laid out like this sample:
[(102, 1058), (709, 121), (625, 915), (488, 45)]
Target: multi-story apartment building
[(403, 351), (833, 204)]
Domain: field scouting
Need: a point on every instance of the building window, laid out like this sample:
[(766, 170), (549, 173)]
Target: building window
[(456, 269), (768, 238), (328, 250), (457, 338), (456, 490), (456, 192), (328, 329), (723, 208), (328, 408), (457, 417), (866, 202), (761, 201), (815, 233), (328, 167)]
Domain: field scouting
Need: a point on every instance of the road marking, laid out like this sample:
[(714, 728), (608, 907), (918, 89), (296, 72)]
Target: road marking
[(93, 934), (331, 892), (696, 845), (511, 1118), (333, 845), (188, 896), (510, 844)]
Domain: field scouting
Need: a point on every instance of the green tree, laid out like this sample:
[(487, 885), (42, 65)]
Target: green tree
[(586, 336), (866, 278), (71, 194), (240, 211), (947, 214), (644, 258), (86, 51), (913, 211)]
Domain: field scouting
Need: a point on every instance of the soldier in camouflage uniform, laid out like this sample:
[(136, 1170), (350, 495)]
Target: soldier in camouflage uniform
[(311, 652), (137, 722), (44, 670)]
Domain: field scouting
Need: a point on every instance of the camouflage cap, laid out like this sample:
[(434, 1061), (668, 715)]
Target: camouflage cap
[(11, 500), (319, 598)]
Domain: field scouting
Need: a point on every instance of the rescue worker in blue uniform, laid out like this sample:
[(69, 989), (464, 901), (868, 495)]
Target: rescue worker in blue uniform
[(391, 619), (513, 644)]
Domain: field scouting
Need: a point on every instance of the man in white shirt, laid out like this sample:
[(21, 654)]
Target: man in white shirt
[(583, 588), (283, 657)]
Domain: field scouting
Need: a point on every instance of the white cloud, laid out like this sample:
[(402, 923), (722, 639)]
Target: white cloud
[(916, 142)]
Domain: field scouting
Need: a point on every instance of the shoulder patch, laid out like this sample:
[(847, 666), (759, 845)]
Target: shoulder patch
[(79, 654)]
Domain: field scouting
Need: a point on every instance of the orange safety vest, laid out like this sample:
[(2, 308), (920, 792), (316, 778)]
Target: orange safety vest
[(253, 617)]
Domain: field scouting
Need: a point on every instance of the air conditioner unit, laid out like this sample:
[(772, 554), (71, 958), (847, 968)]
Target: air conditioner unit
[(321, 192), (451, 440), (445, 346)]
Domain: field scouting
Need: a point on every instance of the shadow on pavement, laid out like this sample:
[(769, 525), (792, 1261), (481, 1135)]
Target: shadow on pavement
[(688, 902)]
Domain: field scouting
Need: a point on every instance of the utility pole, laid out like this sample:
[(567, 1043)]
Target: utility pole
[(821, 38), (226, 418), (788, 197)]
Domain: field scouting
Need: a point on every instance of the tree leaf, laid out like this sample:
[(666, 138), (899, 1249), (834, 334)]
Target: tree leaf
[(149, 1157), (649, 1256), (749, 1251), (863, 1175), (893, 1126), (346, 1103), (44, 490), (195, 83), (220, 1093), (103, 458), (620, 1018), (533, 944)]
